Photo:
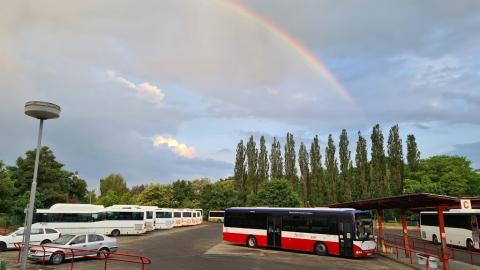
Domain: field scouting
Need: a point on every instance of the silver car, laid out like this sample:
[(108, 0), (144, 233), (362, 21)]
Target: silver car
[(61, 248)]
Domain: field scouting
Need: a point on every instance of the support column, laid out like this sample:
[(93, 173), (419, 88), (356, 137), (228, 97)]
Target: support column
[(441, 225), (406, 244), (380, 229)]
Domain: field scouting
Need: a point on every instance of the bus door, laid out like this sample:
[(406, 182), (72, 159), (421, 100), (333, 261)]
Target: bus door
[(475, 230), (345, 235), (274, 231)]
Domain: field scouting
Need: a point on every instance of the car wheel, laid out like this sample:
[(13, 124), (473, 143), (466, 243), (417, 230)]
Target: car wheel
[(57, 258), (46, 241), (104, 249), (115, 233), (435, 239), (251, 242), (320, 249), (3, 246), (470, 244)]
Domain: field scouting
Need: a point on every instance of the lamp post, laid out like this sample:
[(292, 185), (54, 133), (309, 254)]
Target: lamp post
[(42, 111)]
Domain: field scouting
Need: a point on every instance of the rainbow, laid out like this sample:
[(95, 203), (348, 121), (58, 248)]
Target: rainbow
[(296, 45)]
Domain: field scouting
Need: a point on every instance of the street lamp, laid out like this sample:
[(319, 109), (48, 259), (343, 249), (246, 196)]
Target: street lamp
[(42, 111)]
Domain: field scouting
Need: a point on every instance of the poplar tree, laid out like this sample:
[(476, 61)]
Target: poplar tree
[(344, 192), (316, 194), (379, 182), (262, 162), (276, 162), (413, 155), (239, 171), (290, 157), (304, 171), (395, 161), (331, 172), (362, 179), (252, 162)]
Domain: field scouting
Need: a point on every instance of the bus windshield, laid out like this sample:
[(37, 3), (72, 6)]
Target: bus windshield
[(363, 227)]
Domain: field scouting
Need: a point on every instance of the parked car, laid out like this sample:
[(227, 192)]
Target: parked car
[(60, 249), (39, 235)]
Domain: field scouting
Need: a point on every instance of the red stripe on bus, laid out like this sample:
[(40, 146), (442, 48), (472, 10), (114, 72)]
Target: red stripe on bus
[(242, 238), (308, 245)]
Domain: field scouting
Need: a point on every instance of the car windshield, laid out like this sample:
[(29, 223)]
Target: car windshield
[(363, 227), (64, 239), (17, 232)]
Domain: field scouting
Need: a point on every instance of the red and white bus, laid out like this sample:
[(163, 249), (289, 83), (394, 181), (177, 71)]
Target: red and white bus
[(334, 231)]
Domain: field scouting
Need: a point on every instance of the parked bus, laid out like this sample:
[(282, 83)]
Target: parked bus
[(177, 218), (345, 232), (164, 218), (87, 218), (187, 219), (199, 219), (151, 217), (121, 219), (72, 218), (461, 227), (216, 216)]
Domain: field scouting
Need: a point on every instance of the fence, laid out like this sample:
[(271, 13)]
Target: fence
[(417, 244), (395, 249), (106, 256)]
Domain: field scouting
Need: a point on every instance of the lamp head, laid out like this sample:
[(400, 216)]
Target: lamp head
[(42, 110)]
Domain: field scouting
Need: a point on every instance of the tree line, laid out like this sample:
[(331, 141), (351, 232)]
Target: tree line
[(287, 176), (339, 176)]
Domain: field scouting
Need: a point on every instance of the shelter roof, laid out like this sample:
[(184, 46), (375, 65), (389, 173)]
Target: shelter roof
[(421, 201)]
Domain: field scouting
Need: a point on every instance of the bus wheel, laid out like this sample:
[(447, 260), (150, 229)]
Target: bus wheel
[(115, 233), (470, 244), (435, 239), (320, 249), (251, 242)]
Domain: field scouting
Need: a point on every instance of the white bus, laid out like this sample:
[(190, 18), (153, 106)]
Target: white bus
[(216, 216), (461, 227), (150, 219), (164, 218), (177, 218), (198, 217), (72, 218), (88, 218), (124, 220), (187, 219), (201, 215)]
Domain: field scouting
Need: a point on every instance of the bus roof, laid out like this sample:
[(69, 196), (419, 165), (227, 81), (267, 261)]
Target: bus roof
[(302, 210), (124, 209), (71, 207)]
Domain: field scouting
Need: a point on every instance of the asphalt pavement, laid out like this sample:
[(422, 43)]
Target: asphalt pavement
[(201, 247)]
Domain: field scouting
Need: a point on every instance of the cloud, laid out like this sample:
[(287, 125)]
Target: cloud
[(469, 150), (144, 91), (178, 148)]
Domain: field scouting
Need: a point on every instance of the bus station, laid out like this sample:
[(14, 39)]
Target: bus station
[(418, 203)]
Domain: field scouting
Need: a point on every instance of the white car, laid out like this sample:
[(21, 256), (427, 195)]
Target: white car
[(39, 235), (61, 249)]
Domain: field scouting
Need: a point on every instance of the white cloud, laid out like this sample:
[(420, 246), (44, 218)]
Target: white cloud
[(177, 147), (433, 71), (144, 91), (271, 91)]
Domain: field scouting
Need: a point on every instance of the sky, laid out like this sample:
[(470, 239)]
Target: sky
[(164, 90)]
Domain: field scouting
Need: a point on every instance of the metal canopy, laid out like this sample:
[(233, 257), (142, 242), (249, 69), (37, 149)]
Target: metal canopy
[(419, 201)]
